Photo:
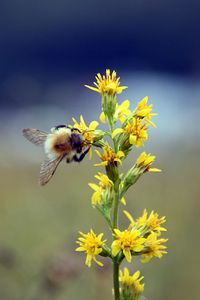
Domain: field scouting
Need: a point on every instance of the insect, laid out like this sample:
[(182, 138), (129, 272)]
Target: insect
[(62, 142)]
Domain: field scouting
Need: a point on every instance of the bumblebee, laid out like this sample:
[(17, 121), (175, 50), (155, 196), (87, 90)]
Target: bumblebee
[(61, 143)]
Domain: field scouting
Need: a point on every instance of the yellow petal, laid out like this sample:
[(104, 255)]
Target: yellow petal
[(98, 153), (80, 249), (128, 256), (128, 215), (92, 88), (94, 186), (96, 197), (98, 262), (102, 117), (132, 139), (123, 201), (93, 125), (90, 153), (102, 164), (120, 154), (115, 248), (125, 104), (82, 121), (116, 132), (154, 170)]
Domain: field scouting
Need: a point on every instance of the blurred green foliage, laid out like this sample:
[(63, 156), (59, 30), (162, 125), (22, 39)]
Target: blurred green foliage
[(39, 226)]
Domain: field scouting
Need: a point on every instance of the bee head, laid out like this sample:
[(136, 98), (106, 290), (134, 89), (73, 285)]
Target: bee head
[(76, 141)]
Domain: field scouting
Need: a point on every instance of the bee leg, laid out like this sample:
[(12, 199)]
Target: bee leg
[(81, 157)]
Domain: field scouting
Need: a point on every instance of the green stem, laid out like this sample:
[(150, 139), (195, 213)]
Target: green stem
[(115, 220), (116, 204), (115, 225), (116, 279)]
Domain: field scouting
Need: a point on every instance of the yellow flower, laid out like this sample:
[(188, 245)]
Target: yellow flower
[(134, 133), (145, 161), (127, 241), (137, 132), (104, 183), (86, 131), (107, 84), (131, 282), (143, 111), (122, 111), (91, 244), (109, 157), (154, 247), (152, 223)]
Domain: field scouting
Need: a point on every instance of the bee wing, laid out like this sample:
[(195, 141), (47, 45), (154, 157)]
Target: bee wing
[(35, 136), (48, 168)]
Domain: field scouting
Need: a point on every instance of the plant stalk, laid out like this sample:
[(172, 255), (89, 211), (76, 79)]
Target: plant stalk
[(115, 260), (116, 279)]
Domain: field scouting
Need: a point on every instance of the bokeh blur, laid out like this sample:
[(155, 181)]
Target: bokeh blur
[(49, 50)]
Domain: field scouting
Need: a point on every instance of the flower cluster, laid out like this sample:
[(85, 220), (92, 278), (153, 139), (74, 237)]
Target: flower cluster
[(140, 238), (128, 130), (105, 185), (92, 245), (131, 286)]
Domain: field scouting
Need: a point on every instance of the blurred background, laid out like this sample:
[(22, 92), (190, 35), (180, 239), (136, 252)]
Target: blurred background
[(49, 50)]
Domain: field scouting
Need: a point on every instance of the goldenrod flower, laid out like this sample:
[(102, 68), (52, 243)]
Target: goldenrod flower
[(154, 247), (104, 184), (109, 157), (86, 131), (122, 111), (107, 84), (137, 132), (151, 223), (91, 244), (131, 284), (127, 241), (145, 161), (134, 133), (143, 111)]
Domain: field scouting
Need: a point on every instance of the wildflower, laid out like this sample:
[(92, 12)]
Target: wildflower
[(107, 84), (104, 184), (143, 111), (145, 161), (109, 157), (127, 241), (131, 284), (142, 165), (88, 132), (154, 247), (151, 223), (122, 111), (134, 133), (91, 244)]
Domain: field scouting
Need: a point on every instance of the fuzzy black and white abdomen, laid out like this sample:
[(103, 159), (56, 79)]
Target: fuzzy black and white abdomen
[(58, 143)]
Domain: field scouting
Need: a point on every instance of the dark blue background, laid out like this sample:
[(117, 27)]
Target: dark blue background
[(65, 40)]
